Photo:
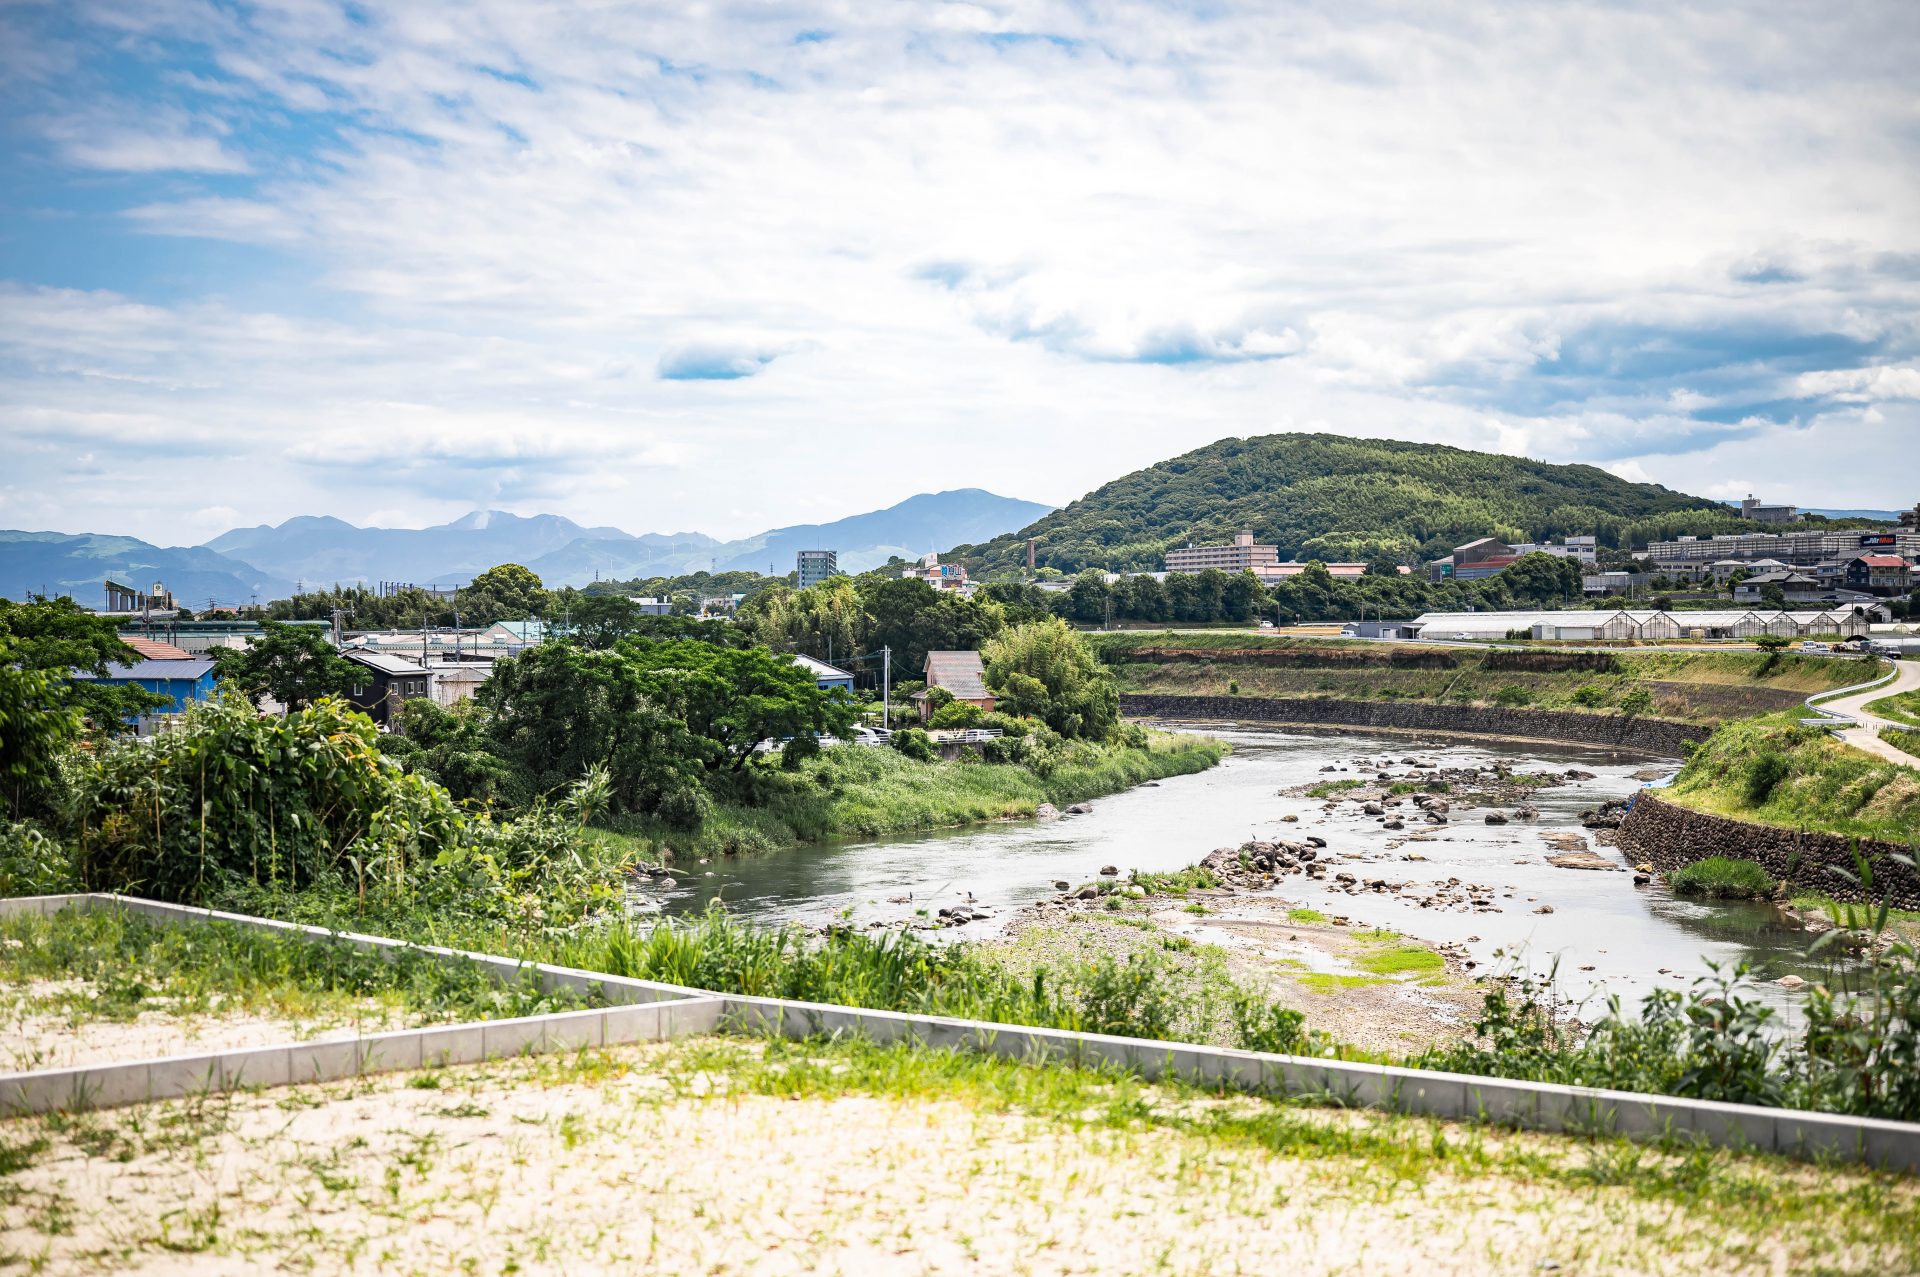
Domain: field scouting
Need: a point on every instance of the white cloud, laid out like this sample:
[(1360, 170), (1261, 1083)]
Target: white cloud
[(544, 257)]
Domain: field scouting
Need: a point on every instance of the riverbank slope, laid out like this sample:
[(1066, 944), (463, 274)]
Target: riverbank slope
[(853, 792)]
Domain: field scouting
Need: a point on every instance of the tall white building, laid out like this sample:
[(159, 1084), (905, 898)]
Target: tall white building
[(815, 566)]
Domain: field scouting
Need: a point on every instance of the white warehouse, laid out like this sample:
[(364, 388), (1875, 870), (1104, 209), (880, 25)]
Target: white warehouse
[(1728, 625)]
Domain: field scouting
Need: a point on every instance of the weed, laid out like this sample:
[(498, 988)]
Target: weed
[(1721, 878)]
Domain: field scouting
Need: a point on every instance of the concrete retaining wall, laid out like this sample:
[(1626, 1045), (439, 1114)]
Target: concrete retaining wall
[(1643, 735), (1670, 836)]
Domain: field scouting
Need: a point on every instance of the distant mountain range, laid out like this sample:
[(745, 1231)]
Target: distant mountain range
[(270, 561), (56, 563), (321, 550), (930, 521), (1887, 516)]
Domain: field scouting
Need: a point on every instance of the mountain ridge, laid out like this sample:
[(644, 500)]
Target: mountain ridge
[(79, 564), (1337, 498)]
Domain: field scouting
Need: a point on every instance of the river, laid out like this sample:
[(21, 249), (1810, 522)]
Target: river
[(1605, 935)]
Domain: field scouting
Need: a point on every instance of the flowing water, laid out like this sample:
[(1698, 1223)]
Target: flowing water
[(1605, 935)]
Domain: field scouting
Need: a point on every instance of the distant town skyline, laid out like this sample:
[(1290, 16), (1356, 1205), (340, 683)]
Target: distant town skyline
[(748, 267)]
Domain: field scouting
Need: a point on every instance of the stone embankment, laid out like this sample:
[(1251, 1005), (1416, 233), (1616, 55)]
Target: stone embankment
[(1669, 836), (1647, 735)]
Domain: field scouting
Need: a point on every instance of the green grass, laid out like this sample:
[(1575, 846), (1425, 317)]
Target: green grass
[(1721, 878), (1400, 959), (1903, 739), (1305, 915), (1328, 984), (1328, 788), (1776, 772), (1903, 707), (1177, 883), (131, 965), (866, 793)]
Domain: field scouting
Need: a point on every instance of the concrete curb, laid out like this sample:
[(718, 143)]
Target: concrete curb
[(648, 1011), (1541, 1106)]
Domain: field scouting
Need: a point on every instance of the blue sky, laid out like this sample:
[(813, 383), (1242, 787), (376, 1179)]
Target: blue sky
[(732, 266)]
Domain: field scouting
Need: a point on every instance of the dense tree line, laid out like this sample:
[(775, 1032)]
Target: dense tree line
[(1325, 497)]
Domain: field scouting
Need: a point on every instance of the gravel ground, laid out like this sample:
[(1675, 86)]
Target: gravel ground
[(1337, 976)]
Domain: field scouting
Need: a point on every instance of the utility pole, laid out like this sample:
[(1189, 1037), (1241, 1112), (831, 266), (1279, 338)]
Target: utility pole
[(886, 688)]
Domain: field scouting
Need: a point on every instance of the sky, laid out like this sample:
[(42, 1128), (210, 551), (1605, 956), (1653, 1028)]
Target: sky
[(721, 267)]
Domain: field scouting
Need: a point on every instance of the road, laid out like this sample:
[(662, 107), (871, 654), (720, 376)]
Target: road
[(1867, 734)]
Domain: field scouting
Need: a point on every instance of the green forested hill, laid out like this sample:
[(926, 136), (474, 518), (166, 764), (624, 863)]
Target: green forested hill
[(1333, 498)]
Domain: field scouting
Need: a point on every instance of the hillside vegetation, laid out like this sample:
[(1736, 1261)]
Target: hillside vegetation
[(1327, 497)]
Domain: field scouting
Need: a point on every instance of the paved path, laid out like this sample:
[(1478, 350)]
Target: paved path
[(1867, 735)]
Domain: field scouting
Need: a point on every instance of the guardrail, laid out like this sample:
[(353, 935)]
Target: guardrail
[(1828, 718)]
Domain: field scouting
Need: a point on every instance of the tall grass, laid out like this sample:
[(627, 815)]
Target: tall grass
[(1138, 996)]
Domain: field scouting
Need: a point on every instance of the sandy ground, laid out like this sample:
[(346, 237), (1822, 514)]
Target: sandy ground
[(637, 1161), (35, 1038)]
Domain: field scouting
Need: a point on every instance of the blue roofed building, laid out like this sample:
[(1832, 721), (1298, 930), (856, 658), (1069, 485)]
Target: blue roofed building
[(182, 681)]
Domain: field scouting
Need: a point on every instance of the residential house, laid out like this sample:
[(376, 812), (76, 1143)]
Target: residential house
[(390, 681), (1882, 574), (1795, 587), (825, 677), (962, 676), (945, 577)]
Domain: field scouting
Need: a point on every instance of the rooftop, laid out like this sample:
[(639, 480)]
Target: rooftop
[(960, 673), (192, 668)]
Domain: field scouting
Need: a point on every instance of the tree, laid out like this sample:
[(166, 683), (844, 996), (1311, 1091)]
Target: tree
[(1242, 595), (294, 665), (824, 621), (913, 618), (1045, 670), (1773, 595), (557, 711), (60, 639), (1087, 600), (37, 723), (507, 592), (732, 699), (598, 621)]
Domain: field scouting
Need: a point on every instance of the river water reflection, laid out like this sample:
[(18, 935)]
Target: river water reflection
[(1632, 938)]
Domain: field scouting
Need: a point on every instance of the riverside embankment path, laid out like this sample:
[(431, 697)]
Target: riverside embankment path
[(1866, 734)]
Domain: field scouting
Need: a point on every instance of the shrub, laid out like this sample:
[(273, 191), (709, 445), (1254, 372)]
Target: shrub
[(1764, 775), (1721, 878), (956, 714), (914, 743), (1512, 696), (1590, 695)]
